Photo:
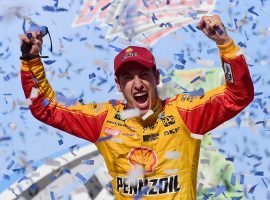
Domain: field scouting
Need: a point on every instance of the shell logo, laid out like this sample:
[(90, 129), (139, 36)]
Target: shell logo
[(129, 50), (143, 156)]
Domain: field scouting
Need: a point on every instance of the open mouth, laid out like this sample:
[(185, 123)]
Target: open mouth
[(141, 97)]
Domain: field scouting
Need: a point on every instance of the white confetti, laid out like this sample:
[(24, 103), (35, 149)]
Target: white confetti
[(172, 154), (34, 93), (240, 52), (117, 140), (52, 162), (13, 126), (28, 102), (171, 171), (204, 161), (211, 148), (129, 113), (146, 115), (200, 186), (209, 63), (136, 172)]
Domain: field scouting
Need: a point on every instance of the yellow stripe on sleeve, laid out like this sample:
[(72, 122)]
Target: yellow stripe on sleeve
[(228, 50)]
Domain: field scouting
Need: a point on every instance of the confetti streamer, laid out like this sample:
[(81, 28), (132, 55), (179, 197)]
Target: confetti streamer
[(230, 159), (251, 10), (129, 113), (112, 87), (45, 102), (102, 139), (259, 174), (72, 148), (145, 3), (7, 138), (115, 48), (257, 79), (252, 189), (264, 183), (233, 179), (11, 163), (205, 161), (180, 58), (60, 142), (191, 28), (136, 172), (34, 93), (52, 195), (242, 178), (214, 50), (49, 62), (67, 39), (220, 190), (105, 7), (166, 80), (179, 66), (22, 179), (148, 114), (87, 162), (154, 18), (172, 154), (6, 177), (79, 176), (195, 79)]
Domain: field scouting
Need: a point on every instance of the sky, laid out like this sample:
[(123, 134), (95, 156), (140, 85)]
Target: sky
[(81, 50)]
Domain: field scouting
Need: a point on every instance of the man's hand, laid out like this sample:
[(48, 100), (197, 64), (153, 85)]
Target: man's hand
[(213, 28), (31, 46)]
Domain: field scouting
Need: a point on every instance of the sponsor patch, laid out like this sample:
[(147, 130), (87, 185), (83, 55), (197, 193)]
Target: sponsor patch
[(131, 54), (171, 131), (228, 72), (168, 120), (115, 123), (112, 132), (152, 137)]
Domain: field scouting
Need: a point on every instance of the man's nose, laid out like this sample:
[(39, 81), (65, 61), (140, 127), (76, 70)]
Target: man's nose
[(138, 84)]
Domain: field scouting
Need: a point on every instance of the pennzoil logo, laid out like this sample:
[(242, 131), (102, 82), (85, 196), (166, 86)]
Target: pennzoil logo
[(143, 156), (148, 186)]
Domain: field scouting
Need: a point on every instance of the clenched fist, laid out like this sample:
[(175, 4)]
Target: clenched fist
[(31, 46), (213, 28)]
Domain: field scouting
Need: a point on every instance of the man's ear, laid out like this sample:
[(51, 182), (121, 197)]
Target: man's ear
[(117, 84)]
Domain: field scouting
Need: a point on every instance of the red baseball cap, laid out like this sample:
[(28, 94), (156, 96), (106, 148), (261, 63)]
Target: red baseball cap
[(137, 54)]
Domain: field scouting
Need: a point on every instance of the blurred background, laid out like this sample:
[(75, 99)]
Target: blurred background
[(41, 162)]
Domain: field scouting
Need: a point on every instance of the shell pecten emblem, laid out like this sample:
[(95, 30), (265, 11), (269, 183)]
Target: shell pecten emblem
[(143, 156), (129, 50)]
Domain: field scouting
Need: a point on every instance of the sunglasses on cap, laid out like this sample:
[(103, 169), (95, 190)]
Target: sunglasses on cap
[(42, 29)]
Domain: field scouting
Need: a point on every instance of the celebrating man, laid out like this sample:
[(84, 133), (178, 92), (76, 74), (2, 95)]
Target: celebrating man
[(160, 143)]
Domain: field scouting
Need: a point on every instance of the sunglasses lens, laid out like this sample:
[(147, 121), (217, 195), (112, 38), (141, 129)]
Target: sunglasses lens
[(43, 30), (29, 35)]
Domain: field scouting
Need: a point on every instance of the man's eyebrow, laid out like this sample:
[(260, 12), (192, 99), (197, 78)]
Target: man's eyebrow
[(140, 72)]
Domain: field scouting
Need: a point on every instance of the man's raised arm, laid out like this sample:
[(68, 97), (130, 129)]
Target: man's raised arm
[(84, 121), (203, 113)]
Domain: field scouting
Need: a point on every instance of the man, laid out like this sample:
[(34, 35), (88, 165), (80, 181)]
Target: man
[(153, 155)]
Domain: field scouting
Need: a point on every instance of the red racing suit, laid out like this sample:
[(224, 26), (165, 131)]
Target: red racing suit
[(165, 146)]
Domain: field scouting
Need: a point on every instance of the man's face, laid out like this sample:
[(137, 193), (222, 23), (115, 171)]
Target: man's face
[(138, 85)]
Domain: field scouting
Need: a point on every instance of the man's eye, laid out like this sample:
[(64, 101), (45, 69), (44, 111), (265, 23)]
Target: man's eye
[(127, 78), (144, 75)]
